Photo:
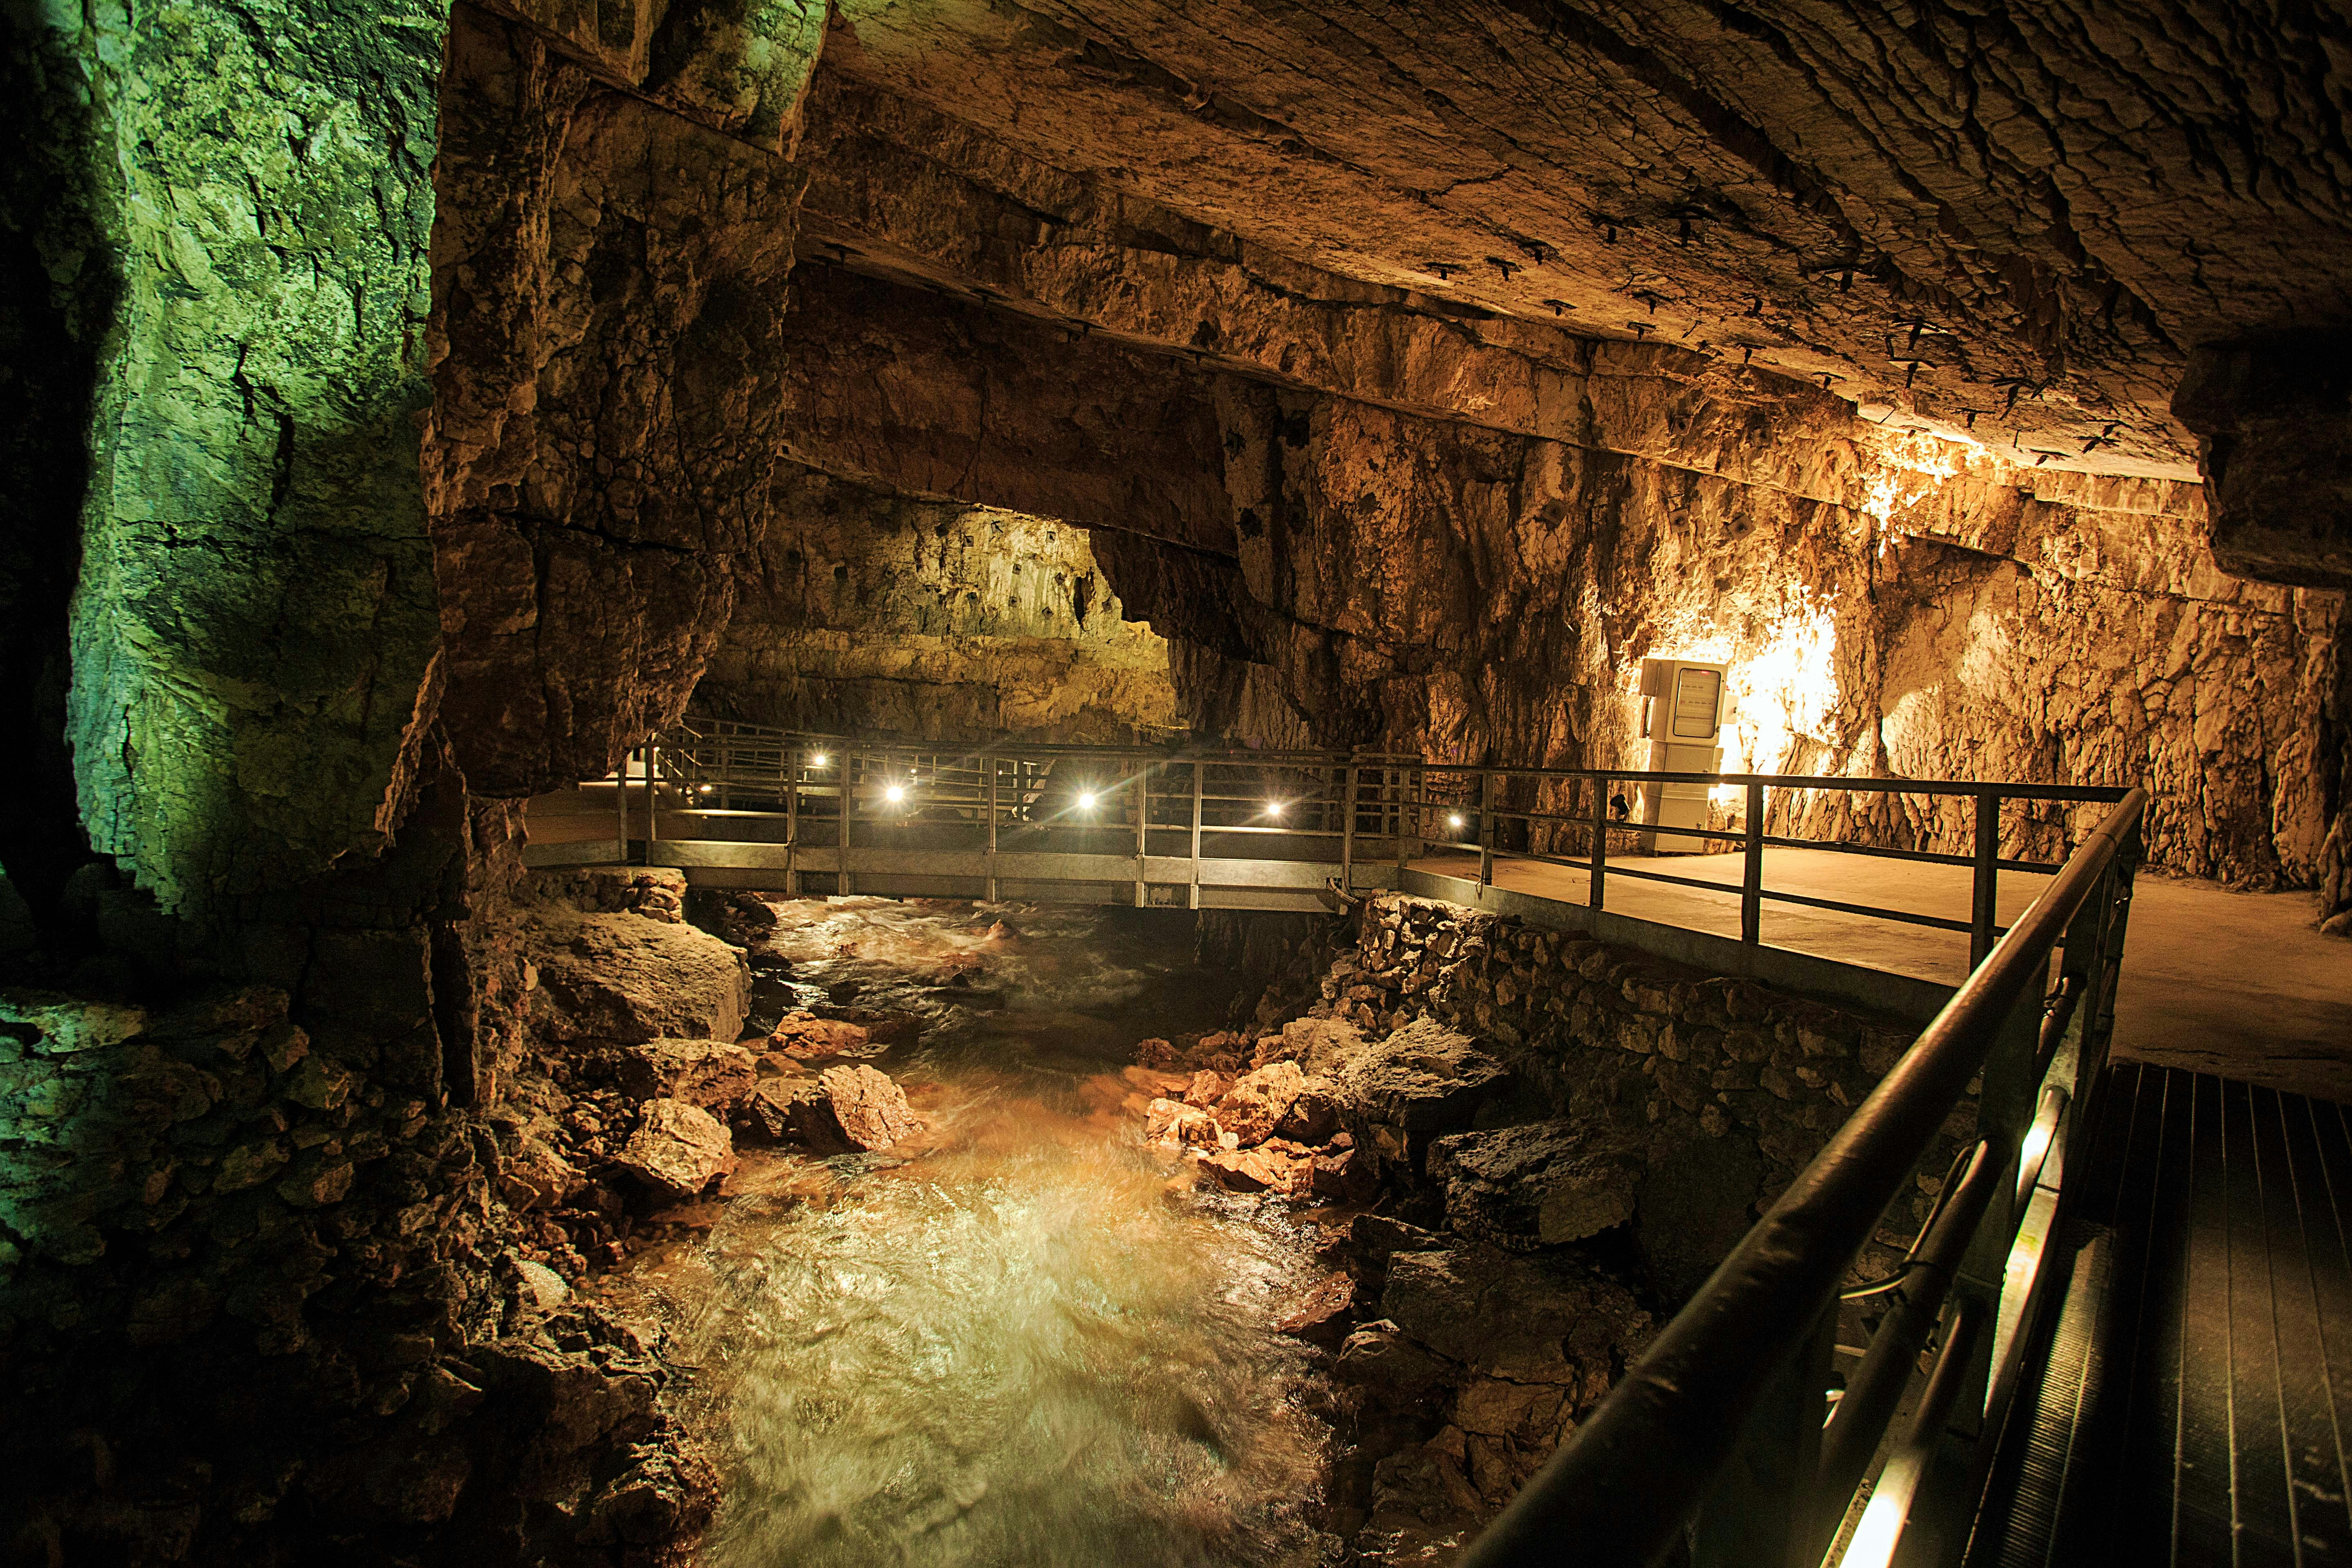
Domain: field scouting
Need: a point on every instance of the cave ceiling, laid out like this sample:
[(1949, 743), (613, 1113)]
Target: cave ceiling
[(2011, 222)]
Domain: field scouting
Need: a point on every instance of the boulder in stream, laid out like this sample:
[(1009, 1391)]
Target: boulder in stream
[(852, 1109), (711, 1074), (678, 1149), (805, 1035)]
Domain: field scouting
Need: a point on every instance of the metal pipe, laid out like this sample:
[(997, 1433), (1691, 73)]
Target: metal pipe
[(1876, 1387), (1881, 1527)]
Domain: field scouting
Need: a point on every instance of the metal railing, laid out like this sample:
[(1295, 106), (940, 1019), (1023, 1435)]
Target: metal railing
[(1357, 818), (1721, 1435)]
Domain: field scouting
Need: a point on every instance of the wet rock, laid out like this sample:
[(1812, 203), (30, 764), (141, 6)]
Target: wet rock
[(852, 1109), (1536, 1186), (1258, 1101), (626, 978), (1205, 1088), (1344, 1176), (1288, 1172), (1551, 1319), (1158, 1085), (1322, 1317), (678, 1149), (1395, 1368), (766, 1113), (1377, 1237), (1158, 1053), (806, 1037), (883, 1026), (1424, 1078), (711, 1074), (1173, 1121), (1313, 1116)]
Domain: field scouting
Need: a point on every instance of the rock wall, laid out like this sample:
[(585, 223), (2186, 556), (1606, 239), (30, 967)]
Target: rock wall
[(932, 620), (1333, 571), (297, 1303), (608, 294), (242, 271), (1711, 1093)]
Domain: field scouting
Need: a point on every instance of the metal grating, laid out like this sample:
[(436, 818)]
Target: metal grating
[(2197, 1415)]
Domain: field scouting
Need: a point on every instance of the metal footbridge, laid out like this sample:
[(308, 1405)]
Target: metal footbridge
[(2124, 1333)]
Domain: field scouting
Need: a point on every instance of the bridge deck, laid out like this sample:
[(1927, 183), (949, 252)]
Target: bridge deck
[(2215, 980), (2195, 1397)]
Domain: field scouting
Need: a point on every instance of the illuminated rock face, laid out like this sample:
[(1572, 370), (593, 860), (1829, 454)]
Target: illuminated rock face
[(236, 240), (932, 620)]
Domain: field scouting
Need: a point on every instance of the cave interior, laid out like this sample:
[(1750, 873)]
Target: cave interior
[(408, 410)]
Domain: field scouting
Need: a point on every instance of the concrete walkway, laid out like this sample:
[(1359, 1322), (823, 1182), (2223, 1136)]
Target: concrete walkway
[(2237, 985)]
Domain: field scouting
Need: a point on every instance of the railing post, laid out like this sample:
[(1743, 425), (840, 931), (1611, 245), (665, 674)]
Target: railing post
[(1751, 871), (1348, 836), (1142, 831), (1486, 829), (621, 799), (653, 797), (1599, 839), (791, 760), (845, 790), (1192, 899), (1982, 905), (989, 865)]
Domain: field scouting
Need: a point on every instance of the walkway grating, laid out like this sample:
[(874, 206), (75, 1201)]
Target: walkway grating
[(2196, 1387)]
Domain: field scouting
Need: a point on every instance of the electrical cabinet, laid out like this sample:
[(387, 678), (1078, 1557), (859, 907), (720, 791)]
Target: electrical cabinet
[(1683, 715)]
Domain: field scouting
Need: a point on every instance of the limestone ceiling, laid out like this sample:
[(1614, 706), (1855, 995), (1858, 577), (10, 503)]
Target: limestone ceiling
[(2007, 221)]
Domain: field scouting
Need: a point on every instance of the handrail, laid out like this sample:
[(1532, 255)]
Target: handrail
[(1627, 1483)]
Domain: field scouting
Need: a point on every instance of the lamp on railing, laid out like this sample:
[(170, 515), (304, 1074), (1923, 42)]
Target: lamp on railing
[(1086, 800), (817, 759)]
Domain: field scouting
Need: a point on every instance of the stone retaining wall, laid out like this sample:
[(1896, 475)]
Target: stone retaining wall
[(1723, 1088)]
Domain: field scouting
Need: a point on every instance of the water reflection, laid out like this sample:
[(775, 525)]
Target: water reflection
[(1021, 1344)]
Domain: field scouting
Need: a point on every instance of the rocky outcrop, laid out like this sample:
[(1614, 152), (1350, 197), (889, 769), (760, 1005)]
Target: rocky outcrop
[(628, 979), (597, 457), (235, 367), (678, 1149), (931, 620), (1544, 1183), (710, 1074)]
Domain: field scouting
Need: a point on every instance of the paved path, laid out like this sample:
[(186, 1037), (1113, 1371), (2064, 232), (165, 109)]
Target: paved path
[(2237, 985)]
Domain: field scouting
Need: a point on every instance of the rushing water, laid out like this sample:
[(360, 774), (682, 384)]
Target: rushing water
[(1028, 1340)]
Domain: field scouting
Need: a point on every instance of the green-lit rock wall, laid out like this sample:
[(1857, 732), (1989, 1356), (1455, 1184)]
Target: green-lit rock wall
[(256, 618)]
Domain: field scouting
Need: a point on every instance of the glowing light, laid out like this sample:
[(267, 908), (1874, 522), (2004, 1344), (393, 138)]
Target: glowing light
[(895, 793), (1086, 801), (817, 760), (1273, 808), (1724, 795), (1454, 820), (1789, 688), (706, 789), (1916, 467)]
